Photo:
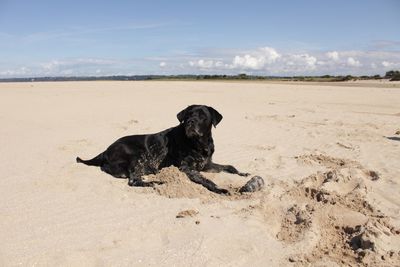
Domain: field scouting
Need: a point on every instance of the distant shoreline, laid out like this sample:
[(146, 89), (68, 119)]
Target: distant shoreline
[(300, 80), (239, 77)]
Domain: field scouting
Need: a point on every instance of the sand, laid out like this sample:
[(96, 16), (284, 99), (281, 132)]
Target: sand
[(329, 155)]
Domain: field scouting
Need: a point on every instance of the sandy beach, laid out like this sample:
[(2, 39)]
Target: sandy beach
[(329, 155)]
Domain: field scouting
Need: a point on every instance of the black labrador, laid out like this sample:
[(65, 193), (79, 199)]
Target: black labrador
[(188, 146)]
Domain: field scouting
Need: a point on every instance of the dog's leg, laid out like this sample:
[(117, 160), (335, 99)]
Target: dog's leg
[(137, 181), (254, 184), (135, 176), (214, 167), (116, 170), (196, 177)]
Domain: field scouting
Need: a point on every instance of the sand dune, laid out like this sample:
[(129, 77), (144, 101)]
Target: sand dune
[(329, 156)]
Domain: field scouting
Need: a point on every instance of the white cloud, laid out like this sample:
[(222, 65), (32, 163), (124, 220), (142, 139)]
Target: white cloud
[(21, 71), (248, 62), (65, 67), (219, 64), (256, 60), (303, 60), (68, 72), (334, 55), (49, 66), (267, 61), (205, 64), (298, 63), (259, 61), (77, 66), (270, 54), (264, 60), (353, 62), (60, 66), (389, 64)]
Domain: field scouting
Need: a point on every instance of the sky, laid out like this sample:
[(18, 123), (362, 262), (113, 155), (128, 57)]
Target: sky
[(277, 38)]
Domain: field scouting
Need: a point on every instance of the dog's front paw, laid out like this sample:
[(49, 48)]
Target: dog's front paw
[(131, 182), (222, 191), (245, 174)]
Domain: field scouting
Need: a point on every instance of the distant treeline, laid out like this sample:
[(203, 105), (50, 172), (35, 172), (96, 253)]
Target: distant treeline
[(392, 75)]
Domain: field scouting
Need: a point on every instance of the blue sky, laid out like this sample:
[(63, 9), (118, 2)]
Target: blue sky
[(51, 38)]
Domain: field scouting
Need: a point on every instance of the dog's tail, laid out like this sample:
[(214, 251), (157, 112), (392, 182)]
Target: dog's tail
[(96, 161)]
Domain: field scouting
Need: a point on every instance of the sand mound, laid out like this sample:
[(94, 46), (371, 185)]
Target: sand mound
[(330, 217), (172, 183), (175, 184), (342, 189), (327, 213), (337, 164)]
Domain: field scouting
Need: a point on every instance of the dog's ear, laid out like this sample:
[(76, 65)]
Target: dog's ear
[(181, 115), (216, 117)]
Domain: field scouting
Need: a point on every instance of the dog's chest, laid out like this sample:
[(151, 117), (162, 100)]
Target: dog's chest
[(195, 159), (189, 153)]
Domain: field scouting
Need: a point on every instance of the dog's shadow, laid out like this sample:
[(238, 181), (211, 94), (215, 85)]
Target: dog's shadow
[(393, 138)]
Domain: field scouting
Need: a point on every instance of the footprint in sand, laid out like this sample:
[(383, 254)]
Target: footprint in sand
[(344, 239), (346, 146), (263, 163), (127, 125), (264, 147), (187, 213), (337, 164), (261, 117), (308, 110), (295, 223)]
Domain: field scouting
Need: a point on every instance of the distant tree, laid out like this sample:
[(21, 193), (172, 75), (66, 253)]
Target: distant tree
[(348, 78), (390, 74), (396, 77)]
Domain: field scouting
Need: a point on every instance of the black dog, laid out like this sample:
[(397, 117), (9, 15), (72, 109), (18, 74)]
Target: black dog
[(188, 146)]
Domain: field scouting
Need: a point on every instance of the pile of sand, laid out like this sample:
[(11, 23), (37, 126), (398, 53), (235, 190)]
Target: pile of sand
[(175, 184), (172, 183), (328, 210)]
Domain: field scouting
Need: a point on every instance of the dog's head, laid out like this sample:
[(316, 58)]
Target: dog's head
[(197, 120)]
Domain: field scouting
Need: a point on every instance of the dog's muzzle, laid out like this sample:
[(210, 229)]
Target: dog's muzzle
[(192, 129)]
